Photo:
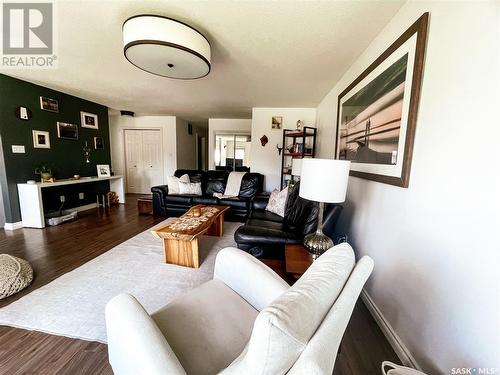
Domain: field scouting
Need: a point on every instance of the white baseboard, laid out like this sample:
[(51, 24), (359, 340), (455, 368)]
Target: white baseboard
[(13, 226), (399, 347)]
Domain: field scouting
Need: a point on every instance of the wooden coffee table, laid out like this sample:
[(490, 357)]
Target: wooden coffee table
[(180, 237)]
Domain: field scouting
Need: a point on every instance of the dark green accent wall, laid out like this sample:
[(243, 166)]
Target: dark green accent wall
[(65, 156)]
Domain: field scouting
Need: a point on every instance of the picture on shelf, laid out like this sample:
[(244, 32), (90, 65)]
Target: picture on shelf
[(48, 104), (103, 170), (67, 131), (277, 122), (99, 143), (89, 120), (41, 139)]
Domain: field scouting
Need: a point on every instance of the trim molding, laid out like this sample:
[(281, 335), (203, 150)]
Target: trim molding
[(397, 344), (13, 226)]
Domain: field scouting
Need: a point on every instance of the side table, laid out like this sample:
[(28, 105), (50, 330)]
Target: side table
[(297, 260)]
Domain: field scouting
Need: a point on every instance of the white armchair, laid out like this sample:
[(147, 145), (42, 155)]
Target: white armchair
[(247, 320)]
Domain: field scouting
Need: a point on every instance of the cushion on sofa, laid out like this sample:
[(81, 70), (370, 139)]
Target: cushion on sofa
[(193, 188), (277, 202), (258, 235), (265, 215), (173, 183), (216, 182), (205, 199), (283, 329), (251, 184), (207, 328), (176, 200)]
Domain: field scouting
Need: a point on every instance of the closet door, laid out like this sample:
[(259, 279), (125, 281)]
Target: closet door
[(152, 160), (134, 163)]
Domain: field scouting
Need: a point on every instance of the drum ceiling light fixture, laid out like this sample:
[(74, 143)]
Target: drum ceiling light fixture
[(166, 47)]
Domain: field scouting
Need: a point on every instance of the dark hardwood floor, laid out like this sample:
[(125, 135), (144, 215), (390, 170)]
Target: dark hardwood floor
[(57, 250)]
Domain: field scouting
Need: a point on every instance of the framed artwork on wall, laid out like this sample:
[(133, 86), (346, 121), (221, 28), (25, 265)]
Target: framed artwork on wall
[(277, 122), (67, 131), (48, 104), (377, 112), (89, 120), (99, 143), (41, 139)]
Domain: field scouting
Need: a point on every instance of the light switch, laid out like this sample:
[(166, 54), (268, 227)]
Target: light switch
[(18, 149)]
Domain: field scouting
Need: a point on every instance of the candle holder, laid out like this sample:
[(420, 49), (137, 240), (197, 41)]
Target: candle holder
[(86, 152)]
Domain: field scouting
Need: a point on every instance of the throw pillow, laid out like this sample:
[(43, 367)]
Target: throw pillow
[(277, 202), (193, 188), (173, 183)]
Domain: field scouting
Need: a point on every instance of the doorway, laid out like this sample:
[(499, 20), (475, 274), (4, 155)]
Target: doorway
[(143, 158)]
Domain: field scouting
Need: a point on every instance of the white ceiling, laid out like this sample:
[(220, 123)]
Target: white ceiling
[(264, 54)]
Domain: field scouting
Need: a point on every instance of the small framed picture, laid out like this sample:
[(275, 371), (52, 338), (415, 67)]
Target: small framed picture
[(89, 120), (277, 122), (67, 131), (41, 139), (48, 104), (99, 143), (103, 170)]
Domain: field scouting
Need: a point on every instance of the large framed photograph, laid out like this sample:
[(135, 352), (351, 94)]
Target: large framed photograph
[(377, 113), (67, 131), (41, 139), (89, 120), (48, 104)]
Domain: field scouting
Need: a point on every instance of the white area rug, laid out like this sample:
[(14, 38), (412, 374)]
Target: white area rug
[(73, 305)]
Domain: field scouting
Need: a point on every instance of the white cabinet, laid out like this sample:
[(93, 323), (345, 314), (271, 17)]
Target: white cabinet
[(144, 162)]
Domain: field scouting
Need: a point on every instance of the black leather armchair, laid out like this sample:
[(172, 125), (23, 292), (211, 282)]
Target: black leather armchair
[(165, 204), (265, 234)]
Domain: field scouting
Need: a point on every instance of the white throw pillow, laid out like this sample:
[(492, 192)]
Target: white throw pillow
[(193, 188), (277, 202), (173, 183)]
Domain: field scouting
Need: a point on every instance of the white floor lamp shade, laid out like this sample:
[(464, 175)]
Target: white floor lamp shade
[(324, 180), (166, 47)]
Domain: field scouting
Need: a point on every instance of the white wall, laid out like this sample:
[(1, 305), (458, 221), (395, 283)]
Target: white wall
[(186, 146), (224, 125), (167, 125), (266, 160), (435, 244)]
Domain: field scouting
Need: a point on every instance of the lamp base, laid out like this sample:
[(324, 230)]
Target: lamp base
[(317, 243)]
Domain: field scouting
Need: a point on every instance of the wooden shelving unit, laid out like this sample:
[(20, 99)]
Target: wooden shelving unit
[(304, 145)]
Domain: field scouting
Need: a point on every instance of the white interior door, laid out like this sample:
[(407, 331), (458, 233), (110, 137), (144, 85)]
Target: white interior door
[(133, 157), (152, 159), (143, 149)]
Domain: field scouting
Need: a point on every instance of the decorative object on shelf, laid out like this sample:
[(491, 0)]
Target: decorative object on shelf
[(264, 140), (41, 139), (86, 152), (276, 122), (323, 181), (76, 177), (166, 47), (279, 148), (89, 120), (377, 113), (299, 125), (23, 113), (48, 104), (103, 170), (99, 143), (45, 173), (67, 131), (15, 275)]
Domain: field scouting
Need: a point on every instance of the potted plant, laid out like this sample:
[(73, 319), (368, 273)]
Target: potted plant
[(44, 171)]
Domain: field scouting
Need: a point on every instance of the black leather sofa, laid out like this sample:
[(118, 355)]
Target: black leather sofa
[(165, 204), (265, 234)]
